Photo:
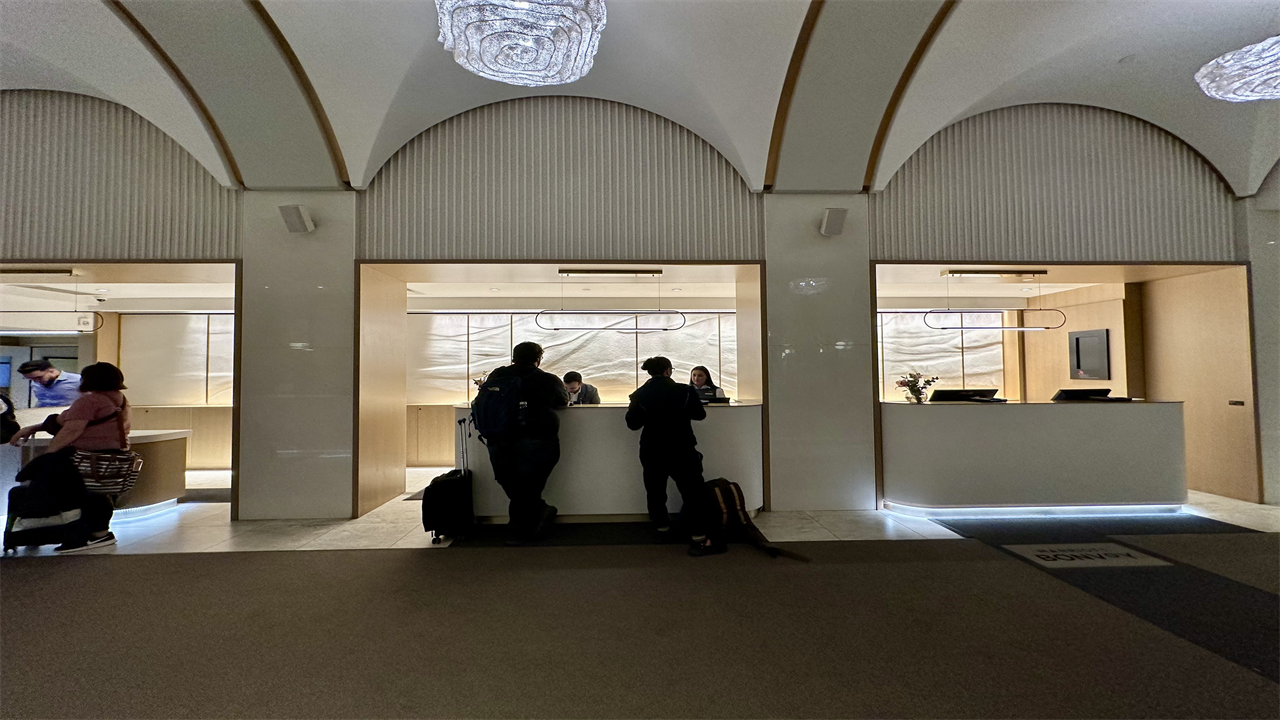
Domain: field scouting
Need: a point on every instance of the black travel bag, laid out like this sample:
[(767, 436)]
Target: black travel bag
[(446, 502), (730, 517), (42, 508)]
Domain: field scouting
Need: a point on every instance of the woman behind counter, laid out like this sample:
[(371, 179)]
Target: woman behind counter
[(700, 379)]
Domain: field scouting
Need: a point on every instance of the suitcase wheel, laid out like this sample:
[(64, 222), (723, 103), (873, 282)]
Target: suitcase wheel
[(435, 540)]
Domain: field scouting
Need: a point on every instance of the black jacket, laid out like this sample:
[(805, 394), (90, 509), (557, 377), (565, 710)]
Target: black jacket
[(543, 392), (664, 408)]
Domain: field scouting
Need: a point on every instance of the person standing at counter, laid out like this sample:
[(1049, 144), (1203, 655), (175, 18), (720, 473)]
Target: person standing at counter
[(580, 393), (50, 386), (700, 379), (664, 410), (523, 436)]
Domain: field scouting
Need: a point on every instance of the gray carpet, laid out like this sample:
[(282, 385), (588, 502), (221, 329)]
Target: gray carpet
[(1250, 558), (869, 629)]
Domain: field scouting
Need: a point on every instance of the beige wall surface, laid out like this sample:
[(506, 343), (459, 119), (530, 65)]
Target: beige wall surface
[(430, 435), (1046, 352), (209, 447), (1198, 351), (383, 389)]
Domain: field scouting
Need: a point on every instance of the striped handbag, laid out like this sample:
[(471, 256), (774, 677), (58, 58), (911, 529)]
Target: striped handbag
[(108, 472)]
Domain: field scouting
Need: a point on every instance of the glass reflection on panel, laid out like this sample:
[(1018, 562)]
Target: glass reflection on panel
[(222, 351), (438, 359), (728, 377)]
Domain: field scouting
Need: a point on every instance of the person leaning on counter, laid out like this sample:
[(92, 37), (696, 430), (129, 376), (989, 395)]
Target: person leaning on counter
[(580, 393)]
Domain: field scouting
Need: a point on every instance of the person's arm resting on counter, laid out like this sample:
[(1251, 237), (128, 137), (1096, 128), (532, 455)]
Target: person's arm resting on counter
[(636, 415), (693, 405)]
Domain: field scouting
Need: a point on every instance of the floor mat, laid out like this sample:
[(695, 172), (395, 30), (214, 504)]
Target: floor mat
[(1010, 531), (1235, 620), (1252, 558)]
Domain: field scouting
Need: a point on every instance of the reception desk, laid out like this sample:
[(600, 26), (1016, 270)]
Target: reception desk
[(164, 460), (599, 472), (952, 459)]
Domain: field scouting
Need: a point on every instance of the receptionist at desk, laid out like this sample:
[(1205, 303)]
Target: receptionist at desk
[(708, 391)]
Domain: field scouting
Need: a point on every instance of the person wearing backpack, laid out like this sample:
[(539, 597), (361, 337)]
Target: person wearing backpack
[(515, 414), (664, 408)]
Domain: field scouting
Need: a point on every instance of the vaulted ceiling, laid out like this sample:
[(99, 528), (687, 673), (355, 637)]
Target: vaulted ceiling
[(311, 94)]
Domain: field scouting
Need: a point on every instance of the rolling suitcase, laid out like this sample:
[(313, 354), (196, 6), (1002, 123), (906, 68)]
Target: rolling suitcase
[(42, 508), (446, 502)]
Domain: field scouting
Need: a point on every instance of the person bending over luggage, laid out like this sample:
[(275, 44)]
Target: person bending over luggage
[(97, 421), (668, 448), (580, 393), (515, 415)]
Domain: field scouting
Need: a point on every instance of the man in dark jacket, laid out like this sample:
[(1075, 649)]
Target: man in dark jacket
[(668, 448), (524, 458)]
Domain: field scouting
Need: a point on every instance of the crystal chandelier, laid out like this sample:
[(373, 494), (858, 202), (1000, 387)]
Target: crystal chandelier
[(539, 42), (1250, 73)]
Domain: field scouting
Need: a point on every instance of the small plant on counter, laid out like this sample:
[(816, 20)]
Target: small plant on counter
[(914, 384)]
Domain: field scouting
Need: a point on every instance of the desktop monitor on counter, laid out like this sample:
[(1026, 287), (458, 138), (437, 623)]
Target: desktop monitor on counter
[(1086, 395)]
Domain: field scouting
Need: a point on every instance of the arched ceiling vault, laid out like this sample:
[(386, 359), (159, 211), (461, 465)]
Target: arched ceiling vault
[(305, 94)]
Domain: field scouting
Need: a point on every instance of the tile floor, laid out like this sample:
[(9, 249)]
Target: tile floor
[(207, 527)]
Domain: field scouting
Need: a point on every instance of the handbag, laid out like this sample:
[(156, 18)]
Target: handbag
[(105, 472)]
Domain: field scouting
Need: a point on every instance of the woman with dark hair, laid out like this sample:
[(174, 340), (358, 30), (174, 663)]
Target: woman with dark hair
[(98, 421), (700, 379)]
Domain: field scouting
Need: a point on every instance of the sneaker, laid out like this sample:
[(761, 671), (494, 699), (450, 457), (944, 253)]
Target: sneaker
[(79, 545)]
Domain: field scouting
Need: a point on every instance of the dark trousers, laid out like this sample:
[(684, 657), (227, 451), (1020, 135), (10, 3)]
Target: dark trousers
[(684, 465), (95, 515), (521, 466)]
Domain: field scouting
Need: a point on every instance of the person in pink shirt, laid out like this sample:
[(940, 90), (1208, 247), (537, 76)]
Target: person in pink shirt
[(97, 421)]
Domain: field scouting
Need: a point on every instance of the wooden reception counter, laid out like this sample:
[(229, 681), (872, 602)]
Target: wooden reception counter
[(599, 470), (1042, 458)]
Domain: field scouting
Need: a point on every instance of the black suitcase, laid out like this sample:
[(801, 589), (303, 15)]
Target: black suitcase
[(29, 525), (447, 510)]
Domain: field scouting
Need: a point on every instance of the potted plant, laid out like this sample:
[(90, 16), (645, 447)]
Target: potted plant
[(914, 384)]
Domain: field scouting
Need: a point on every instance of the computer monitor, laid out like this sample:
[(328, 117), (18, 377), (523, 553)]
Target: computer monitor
[(1081, 394), (951, 395)]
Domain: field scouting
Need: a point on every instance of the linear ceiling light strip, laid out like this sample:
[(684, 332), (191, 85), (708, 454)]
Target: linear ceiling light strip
[(538, 320)]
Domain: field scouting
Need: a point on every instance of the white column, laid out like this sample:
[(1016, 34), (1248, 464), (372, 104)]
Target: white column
[(821, 386), (297, 333), (1258, 228)]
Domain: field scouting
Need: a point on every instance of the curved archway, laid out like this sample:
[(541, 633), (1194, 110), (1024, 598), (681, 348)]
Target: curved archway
[(1053, 182), (560, 177)]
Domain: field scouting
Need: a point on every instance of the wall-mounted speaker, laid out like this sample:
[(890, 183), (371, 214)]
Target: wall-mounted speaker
[(297, 219), (833, 221)]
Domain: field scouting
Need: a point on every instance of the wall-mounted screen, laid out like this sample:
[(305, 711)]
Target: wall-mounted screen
[(1090, 355)]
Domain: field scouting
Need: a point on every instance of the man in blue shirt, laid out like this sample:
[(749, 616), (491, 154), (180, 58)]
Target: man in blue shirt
[(50, 386)]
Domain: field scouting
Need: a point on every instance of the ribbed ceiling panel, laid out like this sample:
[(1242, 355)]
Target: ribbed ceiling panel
[(1065, 183), (86, 179), (561, 178)]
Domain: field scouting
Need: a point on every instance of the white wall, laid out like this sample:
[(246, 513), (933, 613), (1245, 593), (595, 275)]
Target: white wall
[(821, 382), (297, 349), (1258, 237)]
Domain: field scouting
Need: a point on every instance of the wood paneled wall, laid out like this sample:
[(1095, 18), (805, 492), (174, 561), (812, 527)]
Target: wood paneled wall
[(429, 435), (1199, 352), (382, 389), (209, 447), (1046, 353)]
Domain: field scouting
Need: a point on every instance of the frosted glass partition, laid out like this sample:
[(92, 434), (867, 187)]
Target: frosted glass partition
[(178, 359), (448, 351), (959, 358)]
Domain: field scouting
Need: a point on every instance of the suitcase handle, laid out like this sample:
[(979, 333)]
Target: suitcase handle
[(463, 435)]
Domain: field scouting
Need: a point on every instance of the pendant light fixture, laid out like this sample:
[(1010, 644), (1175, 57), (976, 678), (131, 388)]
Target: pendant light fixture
[(1250, 73), (1024, 327), (564, 319), (523, 42)]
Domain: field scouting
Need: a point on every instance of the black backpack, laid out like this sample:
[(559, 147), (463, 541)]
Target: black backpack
[(496, 412), (8, 420), (730, 518)]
